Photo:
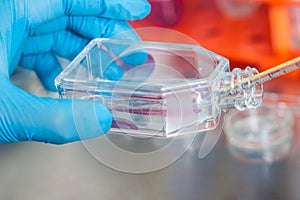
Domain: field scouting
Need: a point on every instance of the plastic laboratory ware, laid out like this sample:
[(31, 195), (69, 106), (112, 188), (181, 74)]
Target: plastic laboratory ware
[(264, 134), (269, 74), (166, 89)]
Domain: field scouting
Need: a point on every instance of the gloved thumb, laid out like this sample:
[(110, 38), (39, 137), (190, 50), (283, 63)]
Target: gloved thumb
[(66, 121), (28, 117)]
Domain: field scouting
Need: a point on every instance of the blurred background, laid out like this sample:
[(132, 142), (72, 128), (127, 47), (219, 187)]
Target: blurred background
[(258, 33)]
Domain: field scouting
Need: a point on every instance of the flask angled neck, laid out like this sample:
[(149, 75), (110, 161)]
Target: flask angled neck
[(236, 90)]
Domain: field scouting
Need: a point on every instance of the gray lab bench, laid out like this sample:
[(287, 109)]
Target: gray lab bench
[(38, 171)]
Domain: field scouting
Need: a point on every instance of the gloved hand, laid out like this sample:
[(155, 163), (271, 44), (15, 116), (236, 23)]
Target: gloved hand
[(31, 34)]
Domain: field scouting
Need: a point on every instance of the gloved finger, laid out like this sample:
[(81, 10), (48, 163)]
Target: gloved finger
[(27, 117), (100, 61), (3, 58), (139, 71), (113, 72), (63, 43), (72, 120), (37, 55), (89, 27), (41, 12), (57, 24), (66, 45), (46, 67), (38, 44), (95, 27), (121, 10)]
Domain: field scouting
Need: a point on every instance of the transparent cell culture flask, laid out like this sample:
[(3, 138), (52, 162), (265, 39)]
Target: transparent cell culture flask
[(158, 89)]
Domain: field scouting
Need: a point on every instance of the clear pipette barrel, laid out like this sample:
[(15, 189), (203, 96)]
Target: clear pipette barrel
[(244, 88), (276, 71), (251, 79)]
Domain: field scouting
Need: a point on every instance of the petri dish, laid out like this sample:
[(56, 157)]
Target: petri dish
[(262, 135)]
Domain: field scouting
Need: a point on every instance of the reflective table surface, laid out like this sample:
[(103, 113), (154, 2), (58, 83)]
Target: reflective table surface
[(44, 171)]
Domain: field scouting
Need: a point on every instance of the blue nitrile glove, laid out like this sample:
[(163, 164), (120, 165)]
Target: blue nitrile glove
[(32, 33)]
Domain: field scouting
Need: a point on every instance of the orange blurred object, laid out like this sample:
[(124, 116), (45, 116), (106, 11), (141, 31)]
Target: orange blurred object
[(261, 38)]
